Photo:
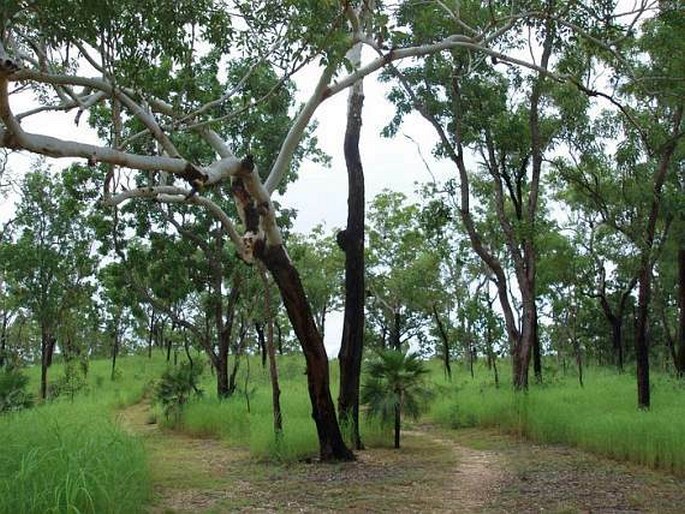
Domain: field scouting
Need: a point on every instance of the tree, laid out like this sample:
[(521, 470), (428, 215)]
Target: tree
[(48, 263), (394, 386)]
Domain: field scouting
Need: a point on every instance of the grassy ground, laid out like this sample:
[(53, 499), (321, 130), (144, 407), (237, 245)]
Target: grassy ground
[(601, 417), (436, 470)]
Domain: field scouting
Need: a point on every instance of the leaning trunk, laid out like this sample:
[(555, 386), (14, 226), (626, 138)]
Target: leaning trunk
[(331, 444), (351, 240)]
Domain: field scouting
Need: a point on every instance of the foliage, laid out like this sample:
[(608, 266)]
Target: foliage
[(394, 385), (13, 394), (176, 387), (72, 381)]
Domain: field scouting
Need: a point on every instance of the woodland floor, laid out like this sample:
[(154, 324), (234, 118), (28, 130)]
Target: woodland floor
[(435, 471)]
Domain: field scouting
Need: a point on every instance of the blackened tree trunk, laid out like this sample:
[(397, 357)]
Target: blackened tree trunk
[(259, 328), (115, 353), (271, 351), (445, 344), (351, 241), (537, 353), (47, 348), (331, 444), (680, 363), (3, 339), (645, 274), (398, 420)]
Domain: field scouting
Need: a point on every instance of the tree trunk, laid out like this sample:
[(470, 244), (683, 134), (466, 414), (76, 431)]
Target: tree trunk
[(645, 275), (351, 241), (331, 444), (523, 347), (445, 344), (395, 328), (222, 388), (47, 347), (537, 352), (617, 340), (397, 421), (280, 338), (680, 366), (273, 368), (641, 341), (259, 328), (3, 340), (115, 353)]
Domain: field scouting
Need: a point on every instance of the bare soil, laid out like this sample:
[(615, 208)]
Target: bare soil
[(435, 471)]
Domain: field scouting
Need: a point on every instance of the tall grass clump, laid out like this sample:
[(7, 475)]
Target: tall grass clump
[(601, 417), (70, 457), (246, 418)]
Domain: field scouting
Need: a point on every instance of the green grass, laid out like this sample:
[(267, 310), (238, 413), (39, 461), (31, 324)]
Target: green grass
[(66, 457), (602, 417), (69, 455)]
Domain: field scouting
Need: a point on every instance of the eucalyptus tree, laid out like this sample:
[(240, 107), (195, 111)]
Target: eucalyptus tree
[(402, 272), (48, 265), (511, 114), (156, 71), (650, 128)]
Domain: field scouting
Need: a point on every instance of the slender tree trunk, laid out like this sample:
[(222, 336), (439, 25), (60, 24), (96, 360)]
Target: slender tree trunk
[(280, 338), (680, 365), (47, 346), (397, 421), (259, 328), (3, 340), (186, 348), (617, 340), (351, 241), (445, 344), (395, 330), (271, 351), (331, 444), (151, 334), (645, 275), (222, 387), (115, 353), (537, 352)]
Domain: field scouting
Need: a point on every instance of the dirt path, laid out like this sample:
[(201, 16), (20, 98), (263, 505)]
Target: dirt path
[(435, 471)]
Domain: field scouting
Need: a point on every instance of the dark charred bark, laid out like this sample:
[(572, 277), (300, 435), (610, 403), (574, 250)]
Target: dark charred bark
[(351, 241), (680, 362), (115, 354), (3, 339), (331, 444), (395, 332), (279, 338), (445, 344), (645, 275), (259, 328), (273, 368), (397, 422), (537, 353), (47, 347)]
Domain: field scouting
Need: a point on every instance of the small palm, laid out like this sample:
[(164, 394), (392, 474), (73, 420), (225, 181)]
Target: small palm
[(394, 386)]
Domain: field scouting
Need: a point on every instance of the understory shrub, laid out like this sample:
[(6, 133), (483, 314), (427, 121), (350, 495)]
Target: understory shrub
[(13, 394)]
